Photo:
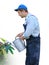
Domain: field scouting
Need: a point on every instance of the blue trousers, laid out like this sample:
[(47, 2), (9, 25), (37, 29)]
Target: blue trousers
[(32, 50)]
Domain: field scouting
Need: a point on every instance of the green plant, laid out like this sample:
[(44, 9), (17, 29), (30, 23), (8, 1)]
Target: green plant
[(5, 47)]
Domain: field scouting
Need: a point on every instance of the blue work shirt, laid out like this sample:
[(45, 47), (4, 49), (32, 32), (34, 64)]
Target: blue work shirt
[(32, 27)]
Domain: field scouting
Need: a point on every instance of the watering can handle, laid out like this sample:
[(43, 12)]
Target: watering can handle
[(16, 37), (19, 38)]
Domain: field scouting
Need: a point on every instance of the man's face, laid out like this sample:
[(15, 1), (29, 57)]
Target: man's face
[(21, 13)]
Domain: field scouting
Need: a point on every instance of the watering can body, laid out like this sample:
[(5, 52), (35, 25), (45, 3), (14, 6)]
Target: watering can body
[(19, 44)]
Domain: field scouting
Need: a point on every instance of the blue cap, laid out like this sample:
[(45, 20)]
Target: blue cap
[(21, 7)]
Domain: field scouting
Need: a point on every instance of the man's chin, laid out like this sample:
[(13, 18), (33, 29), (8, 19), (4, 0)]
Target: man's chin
[(22, 17)]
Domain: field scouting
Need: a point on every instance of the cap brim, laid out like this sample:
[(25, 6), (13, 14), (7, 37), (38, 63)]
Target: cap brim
[(16, 10)]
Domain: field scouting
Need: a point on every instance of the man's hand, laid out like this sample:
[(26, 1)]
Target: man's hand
[(19, 35), (22, 37)]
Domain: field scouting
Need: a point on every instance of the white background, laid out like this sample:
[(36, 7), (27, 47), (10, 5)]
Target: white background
[(11, 25)]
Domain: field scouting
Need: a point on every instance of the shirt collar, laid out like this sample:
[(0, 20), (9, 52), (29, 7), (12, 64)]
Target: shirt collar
[(27, 16)]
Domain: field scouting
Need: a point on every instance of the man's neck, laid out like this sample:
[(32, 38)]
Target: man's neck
[(26, 14)]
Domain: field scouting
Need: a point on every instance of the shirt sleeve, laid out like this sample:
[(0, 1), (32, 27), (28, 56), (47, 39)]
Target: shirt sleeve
[(30, 27)]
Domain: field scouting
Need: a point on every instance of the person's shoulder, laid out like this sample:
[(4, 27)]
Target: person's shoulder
[(32, 16)]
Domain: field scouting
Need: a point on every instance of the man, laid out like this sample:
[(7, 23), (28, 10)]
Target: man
[(31, 34)]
